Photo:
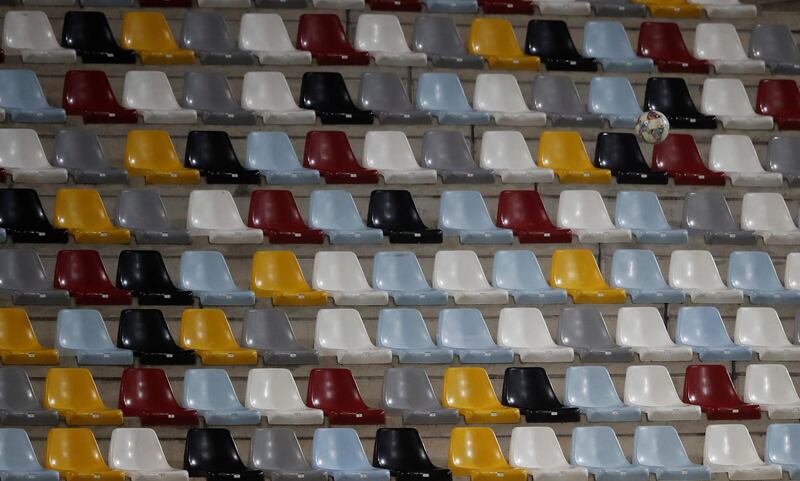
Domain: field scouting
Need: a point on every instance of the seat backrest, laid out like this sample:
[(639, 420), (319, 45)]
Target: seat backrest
[(80, 270), (575, 268), (80, 209), (752, 270), (206, 329), (733, 153), (708, 211), (151, 150), (333, 388), (338, 449), (536, 446), (583, 327), (528, 387), (556, 94), (22, 209), (16, 331), (769, 384), (149, 90), (446, 150), (341, 330), (473, 448), (147, 390), (781, 446), (778, 97), (773, 43), (71, 389), (22, 269), (322, 33), (88, 31), (589, 386), (329, 150), (582, 209), (16, 390), (147, 31), (441, 91), (136, 449), (264, 32), (678, 153), (380, 32), (402, 329), (780, 154), (408, 388), (21, 148), (277, 449), (662, 41), (730, 444), (21, 89), (619, 152), (209, 389), (523, 327), (549, 39), (210, 150), (670, 96), (270, 151), (142, 209), (458, 270), (274, 209), (208, 91), (658, 446), (205, 271), (464, 209), (493, 37), (73, 450), (145, 330), (562, 150), (613, 95), (272, 388), (382, 91), (268, 329), (400, 448), (211, 450), (213, 209), (28, 30), (596, 446), (389, 150), (325, 91), (505, 149), (267, 91), (16, 452), (463, 328), (709, 384), (437, 35), (334, 210), (517, 269), (87, 90), (701, 326), (143, 271), (398, 270), (641, 326), (606, 39), (725, 97), (468, 388), (693, 269), (639, 210), (636, 269), (498, 92), (718, 41), (649, 386), (393, 210), (759, 326), (206, 31), (277, 271), (82, 329), (521, 209), (79, 149)]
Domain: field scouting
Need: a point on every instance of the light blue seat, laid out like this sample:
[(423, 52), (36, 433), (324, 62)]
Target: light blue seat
[(82, 333), (23, 100), (590, 389), (660, 450), (339, 452), (404, 332), (2, 235), (519, 273), (783, 448), (206, 274), (637, 271), (451, 6), (754, 273), (607, 41), (272, 154), (335, 212), (465, 333), (641, 212), (442, 95), (464, 213), (18, 459), (597, 449), (210, 393), (399, 273), (613, 99), (702, 329)]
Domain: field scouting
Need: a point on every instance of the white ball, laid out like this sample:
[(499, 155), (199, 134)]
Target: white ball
[(652, 127)]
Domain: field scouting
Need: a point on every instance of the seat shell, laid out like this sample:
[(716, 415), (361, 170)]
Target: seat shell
[(277, 275), (151, 154), (90, 35), (150, 36), (19, 405), (739, 459), (207, 35), (637, 271), (443, 96), (565, 153), (145, 275), (277, 452), (23, 158), (394, 212), (495, 41), (150, 93), (678, 156), (469, 390), (335, 213), (210, 392), (341, 276), (145, 332), (524, 330), (399, 274), (643, 330), (642, 214), (272, 154), (206, 275), (671, 97), (330, 153), (74, 453), (341, 333), (464, 332), (82, 334), (460, 274), (324, 36), (405, 333), (88, 93), (719, 44), (584, 213), (696, 274), (620, 153), (30, 35), (143, 213), (389, 152), (590, 389), (212, 453), (711, 388), (598, 450), (537, 450), (651, 388), (270, 333), (18, 342), (519, 273), (340, 453), (336, 393), (475, 452), (552, 42), (576, 271), (265, 35), (81, 272), (464, 213), (607, 41), (146, 393), (213, 213), (400, 450), (703, 330), (73, 393), (407, 392), (727, 100), (138, 452), (274, 394), (212, 153), (22, 99), (438, 38), (529, 390), (268, 94), (771, 387), (523, 212), (208, 333)]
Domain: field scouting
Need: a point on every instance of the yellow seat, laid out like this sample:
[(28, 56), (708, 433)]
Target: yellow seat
[(82, 213), (475, 452), (576, 271), (469, 390), (18, 342), (73, 393), (208, 332), (494, 39), (148, 33), (564, 152), (74, 453), (671, 8), (150, 153), (277, 274)]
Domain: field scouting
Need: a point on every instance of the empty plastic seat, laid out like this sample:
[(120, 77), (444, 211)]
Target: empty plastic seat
[(464, 332), (147, 395), (755, 275), (620, 153), (212, 153), (405, 333), (451, 6), (208, 332), (551, 42), (142, 212), (206, 275), (464, 213), (618, 8), (641, 213), (150, 93), (449, 153), (277, 215), (727, 100), (394, 212), (389, 153), (461, 275), (577, 272), (524, 331), (207, 35), (18, 460), (469, 390), (781, 447), (719, 44), (728, 448), (22, 277), (519, 273), (523, 212), (702, 329), (500, 96), (144, 274), (324, 36), (327, 94), (583, 212), (88, 93), (598, 450), (335, 213), (150, 36), (442, 95), (707, 214), (399, 274), (274, 394), (696, 274), (529, 390), (210, 392), (779, 99), (341, 333), (18, 402), (82, 213), (565, 153), (382, 36), (774, 44), (213, 213), (73, 393), (90, 35), (494, 40), (760, 329), (672, 8), (138, 452), (437, 37), (558, 97), (475, 452), (23, 158), (383, 94), (771, 387), (277, 452), (265, 35), (74, 453), (651, 388), (24, 219), (400, 450), (272, 154), (18, 342), (711, 388), (585, 331), (643, 330), (269, 332), (145, 332), (82, 333), (590, 389), (736, 156), (151, 154), (210, 94), (537, 450), (395, 5), (508, 156), (781, 158), (330, 153), (339, 452), (514, 6), (81, 272), (637, 271), (277, 275), (726, 8), (607, 41), (341, 276), (671, 97), (336, 393), (660, 450), (22, 99), (613, 99), (268, 94), (212, 453), (408, 392), (678, 156), (30, 35), (80, 152)]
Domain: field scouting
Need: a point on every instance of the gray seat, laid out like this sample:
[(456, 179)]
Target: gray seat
[(22, 276), (143, 212), (584, 330), (18, 402), (707, 214), (384, 95), (407, 391), (557, 96), (281, 4), (618, 8), (207, 34), (438, 38), (210, 94), (774, 44), (781, 157), (448, 152), (80, 152), (270, 333), (277, 453)]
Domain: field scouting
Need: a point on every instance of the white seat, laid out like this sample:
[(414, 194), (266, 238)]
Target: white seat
[(389, 152), (696, 273), (760, 329), (651, 388), (736, 156), (138, 452), (505, 153), (564, 7), (726, 8), (265, 35), (767, 214), (536, 450), (499, 95), (719, 43), (791, 274), (727, 99), (29, 34), (643, 330), (213, 213), (584, 212), (340, 275), (524, 331), (149, 92), (22, 156), (341, 333), (461, 275), (273, 392), (382, 36), (771, 387), (728, 448), (268, 94), (223, 3), (339, 4)]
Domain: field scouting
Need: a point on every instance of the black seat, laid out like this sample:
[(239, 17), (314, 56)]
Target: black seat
[(90, 35), (145, 332), (211, 453), (212, 153), (670, 96), (620, 153), (551, 42), (24, 219), (400, 450), (145, 275), (394, 212), (529, 390), (326, 93)]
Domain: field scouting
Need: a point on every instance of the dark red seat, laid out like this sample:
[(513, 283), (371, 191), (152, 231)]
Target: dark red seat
[(524, 7), (780, 98), (330, 153), (145, 393), (81, 272), (663, 42), (523, 212), (88, 93), (335, 392), (678, 156), (710, 387), (275, 212), (396, 5), (323, 35)]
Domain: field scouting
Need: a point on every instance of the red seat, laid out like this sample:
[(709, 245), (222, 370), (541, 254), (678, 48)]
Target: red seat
[(145, 393), (524, 7), (396, 5), (710, 387), (678, 156), (335, 392), (87, 93), (523, 212), (663, 42), (330, 153), (780, 98), (81, 272), (323, 35), (276, 214)]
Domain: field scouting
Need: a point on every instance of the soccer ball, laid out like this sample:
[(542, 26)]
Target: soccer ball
[(652, 127)]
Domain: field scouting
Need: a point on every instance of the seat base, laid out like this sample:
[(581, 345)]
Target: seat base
[(308, 236), (427, 236), (487, 296), (42, 417), (691, 472), (245, 235), (459, 61), (500, 415), (290, 357), (432, 297), (611, 354), (238, 417), (746, 122), (30, 357), (672, 236), (739, 66), (732, 352), (629, 64), (682, 66), (612, 415), (290, 57), (745, 411), (301, 416), (759, 179), (554, 353), (715, 296), (236, 57), (176, 236), (367, 235), (122, 116), (607, 296), (683, 412), (48, 297), (782, 411), (108, 417), (558, 415), (434, 355), (432, 416), (522, 7), (294, 177), (112, 297), (172, 298), (656, 296), (361, 177), (650, 178), (731, 238), (106, 176), (489, 236), (594, 176), (553, 236), (236, 117), (237, 177), (693, 178), (499, 355), (345, 58), (748, 472), (602, 236), (307, 298), (117, 357), (178, 417), (417, 176), (226, 298), (366, 356), (777, 353), (346, 118), (289, 117), (563, 8), (782, 297), (693, 122), (178, 358), (664, 353), (730, 11), (571, 64), (531, 176), (229, 358), (49, 236), (614, 9), (396, 5), (174, 57), (115, 56), (519, 62), (544, 296), (368, 416), (179, 116)]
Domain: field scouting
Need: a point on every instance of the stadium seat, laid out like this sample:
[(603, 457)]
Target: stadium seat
[(405, 333), (335, 213), (754, 273), (506, 154), (760, 329), (726, 8), (514, 6), (339, 452), (781, 447), (324, 36), (22, 277), (80, 152), (207, 35), (212, 153), (275, 212), (537, 451), (82, 334), (464, 213), (659, 449), (613, 99), (400, 450), (88, 93), (18, 459), (24, 219), (336, 393), (791, 276), (779, 99), (620, 153), (607, 41), (138, 452), (563, 7), (208, 332), (19, 405), (576, 271), (399, 274), (382, 36), (643, 330), (211, 453), (265, 35), (469, 390), (637, 271), (272, 154), (523, 212), (148, 33), (494, 40), (74, 453), (550, 40), (529, 390), (341, 333), (584, 213), (383, 94), (651, 388), (703, 329), (341, 276), (389, 153), (450, 154), (442, 95), (206, 275), (395, 5), (707, 214), (597, 449), (780, 158), (144, 274), (150, 93), (678, 156), (500, 96), (672, 8), (729, 449), (145, 332), (394, 212), (773, 43), (277, 452), (464, 332), (151, 154), (565, 153), (437, 37), (727, 100), (210, 94), (330, 153), (460, 274), (23, 158), (719, 45), (710, 387), (268, 94), (90, 35), (274, 394), (407, 392), (73, 393), (736, 156), (82, 213), (558, 97), (585, 331), (213, 213), (146, 394), (670, 96), (81, 272), (210, 392), (277, 275), (29, 34), (590, 389), (519, 273), (770, 386), (475, 452), (18, 342), (451, 6), (142, 212), (617, 8), (269, 332), (524, 331), (22, 99), (641, 213)]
